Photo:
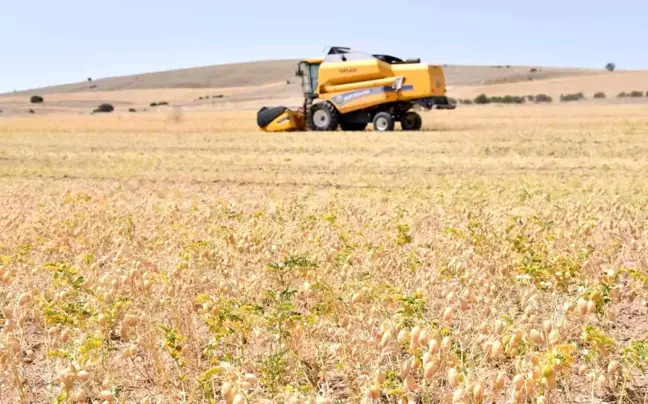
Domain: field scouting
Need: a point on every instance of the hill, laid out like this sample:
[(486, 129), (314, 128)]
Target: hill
[(250, 74), (240, 86), (610, 83), (218, 76)]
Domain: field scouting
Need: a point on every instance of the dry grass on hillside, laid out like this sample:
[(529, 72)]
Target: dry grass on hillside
[(500, 255), (610, 83), (252, 74), (82, 103), (249, 86), (247, 74)]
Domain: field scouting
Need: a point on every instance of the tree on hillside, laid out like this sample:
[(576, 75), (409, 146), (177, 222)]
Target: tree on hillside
[(104, 108), (610, 67), (482, 99)]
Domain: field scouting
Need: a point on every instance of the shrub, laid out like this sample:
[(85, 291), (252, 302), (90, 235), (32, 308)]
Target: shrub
[(162, 103), (571, 97), (610, 67), (452, 101), (514, 99), (104, 108), (482, 99), (533, 70), (599, 95), (543, 98), (466, 101), (93, 86), (132, 110), (636, 94), (508, 99), (530, 98), (31, 111), (622, 94), (153, 104), (36, 99), (218, 96)]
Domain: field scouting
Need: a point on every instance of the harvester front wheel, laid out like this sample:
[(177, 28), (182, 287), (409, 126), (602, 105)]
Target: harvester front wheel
[(383, 122), (323, 117), (411, 121)]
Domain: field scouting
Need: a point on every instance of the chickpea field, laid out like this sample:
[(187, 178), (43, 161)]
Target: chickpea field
[(499, 256)]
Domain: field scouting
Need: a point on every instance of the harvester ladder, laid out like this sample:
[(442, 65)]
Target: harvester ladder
[(308, 103), (308, 95)]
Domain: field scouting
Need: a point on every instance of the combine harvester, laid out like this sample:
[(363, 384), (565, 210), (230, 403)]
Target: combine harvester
[(348, 89)]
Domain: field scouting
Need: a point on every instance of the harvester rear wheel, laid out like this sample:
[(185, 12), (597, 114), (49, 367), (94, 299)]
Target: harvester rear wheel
[(323, 117), (411, 121), (353, 126), (383, 122)]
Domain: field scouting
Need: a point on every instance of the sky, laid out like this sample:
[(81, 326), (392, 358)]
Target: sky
[(56, 42)]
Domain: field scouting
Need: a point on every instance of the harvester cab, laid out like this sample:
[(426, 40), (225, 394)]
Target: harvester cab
[(349, 89)]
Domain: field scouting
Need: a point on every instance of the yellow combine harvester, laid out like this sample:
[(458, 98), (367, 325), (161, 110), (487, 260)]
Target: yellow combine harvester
[(348, 89)]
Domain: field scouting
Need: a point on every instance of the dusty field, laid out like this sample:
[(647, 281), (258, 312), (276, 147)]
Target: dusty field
[(501, 255)]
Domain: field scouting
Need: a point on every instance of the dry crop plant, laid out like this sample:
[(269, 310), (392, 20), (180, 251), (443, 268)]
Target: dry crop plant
[(475, 288), (478, 307)]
